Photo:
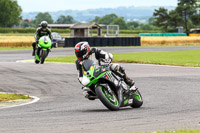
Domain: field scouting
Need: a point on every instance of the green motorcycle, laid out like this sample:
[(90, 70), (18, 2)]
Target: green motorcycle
[(43, 49), (110, 88)]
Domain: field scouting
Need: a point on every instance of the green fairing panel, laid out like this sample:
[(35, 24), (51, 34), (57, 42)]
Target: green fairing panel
[(45, 49), (95, 80), (42, 43), (126, 101), (94, 72)]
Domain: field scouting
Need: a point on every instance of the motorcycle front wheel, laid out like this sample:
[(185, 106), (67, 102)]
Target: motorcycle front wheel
[(43, 56), (137, 99), (108, 99)]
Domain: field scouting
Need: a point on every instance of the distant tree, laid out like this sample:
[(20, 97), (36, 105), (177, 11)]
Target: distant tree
[(96, 19), (43, 17), (187, 10), (161, 18), (9, 13), (175, 19), (107, 19), (185, 15), (151, 20), (132, 25), (196, 19), (65, 20), (146, 27), (121, 22), (187, 2), (26, 24)]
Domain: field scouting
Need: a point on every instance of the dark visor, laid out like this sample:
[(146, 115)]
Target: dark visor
[(79, 54)]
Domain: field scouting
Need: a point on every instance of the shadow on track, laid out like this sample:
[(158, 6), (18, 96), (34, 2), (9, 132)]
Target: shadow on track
[(107, 110)]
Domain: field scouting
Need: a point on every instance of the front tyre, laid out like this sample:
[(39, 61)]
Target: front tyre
[(108, 99), (43, 56), (37, 62), (137, 99)]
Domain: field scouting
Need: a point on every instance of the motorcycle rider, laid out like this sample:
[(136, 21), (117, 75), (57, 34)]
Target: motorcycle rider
[(83, 52), (43, 30)]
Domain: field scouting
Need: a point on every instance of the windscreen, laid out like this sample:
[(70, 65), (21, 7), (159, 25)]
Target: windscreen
[(87, 64)]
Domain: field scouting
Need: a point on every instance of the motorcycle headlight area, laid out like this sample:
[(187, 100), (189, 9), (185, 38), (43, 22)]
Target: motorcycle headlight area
[(85, 81)]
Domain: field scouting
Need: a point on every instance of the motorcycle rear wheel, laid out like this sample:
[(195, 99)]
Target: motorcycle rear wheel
[(109, 100)]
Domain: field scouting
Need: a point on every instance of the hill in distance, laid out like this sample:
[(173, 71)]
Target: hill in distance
[(129, 13)]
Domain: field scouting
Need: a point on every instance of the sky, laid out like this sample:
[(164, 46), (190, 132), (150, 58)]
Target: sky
[(56, 5)]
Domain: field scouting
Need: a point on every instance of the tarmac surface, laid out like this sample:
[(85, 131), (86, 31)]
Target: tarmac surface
[(170, 94)]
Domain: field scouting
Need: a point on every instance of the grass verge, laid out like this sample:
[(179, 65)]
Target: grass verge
[(62, 59), (14, 48), (4, 97), (176, 58), (180, 131)]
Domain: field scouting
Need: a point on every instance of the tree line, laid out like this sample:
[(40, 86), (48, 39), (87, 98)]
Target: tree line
[(110, 19), (186, 14), (10, 13), (113, 19), (47, 17)]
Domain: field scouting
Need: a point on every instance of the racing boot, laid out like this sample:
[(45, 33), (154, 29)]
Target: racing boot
[(128, 81), (33, 53), (34, 47)]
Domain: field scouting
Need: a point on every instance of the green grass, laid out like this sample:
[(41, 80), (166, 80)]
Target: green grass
[(177, 58), (180, 131), (7, 97), (129, 35), (14, 48), (29, 34), (62, 59), (17, 34)]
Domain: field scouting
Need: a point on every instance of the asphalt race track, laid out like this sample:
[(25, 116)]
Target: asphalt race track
[(170, 94)]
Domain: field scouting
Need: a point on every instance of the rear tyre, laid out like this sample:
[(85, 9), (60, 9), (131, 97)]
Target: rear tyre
[(109, 100), (137, 99)]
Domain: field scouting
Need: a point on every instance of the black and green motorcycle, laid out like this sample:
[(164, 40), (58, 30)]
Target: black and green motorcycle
[(43, 49), (110, 88)]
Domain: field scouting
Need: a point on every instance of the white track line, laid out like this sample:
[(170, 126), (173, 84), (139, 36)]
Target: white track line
[(25, 61), (143, 64), (35, 99)]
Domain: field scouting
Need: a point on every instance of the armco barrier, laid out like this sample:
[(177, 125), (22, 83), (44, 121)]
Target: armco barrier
[(104, 41)]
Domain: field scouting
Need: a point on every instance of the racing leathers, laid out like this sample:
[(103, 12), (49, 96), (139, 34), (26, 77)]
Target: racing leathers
[(38, 34), (95, 55)]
